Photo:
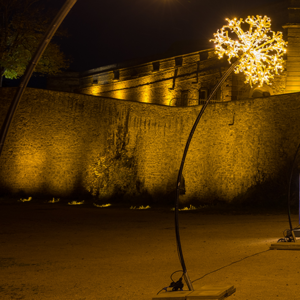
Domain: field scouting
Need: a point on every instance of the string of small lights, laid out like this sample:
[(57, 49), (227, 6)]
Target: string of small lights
[(259, 49)]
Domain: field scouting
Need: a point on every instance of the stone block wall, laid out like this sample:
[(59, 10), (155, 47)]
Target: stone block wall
[(142, 83), (56, 139)]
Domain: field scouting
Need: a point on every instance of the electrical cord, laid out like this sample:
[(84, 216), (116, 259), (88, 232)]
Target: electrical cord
[(288, 236), (175, 285), (160, 291), (180, 279), (178, 183), (174, 273), (230, 264)]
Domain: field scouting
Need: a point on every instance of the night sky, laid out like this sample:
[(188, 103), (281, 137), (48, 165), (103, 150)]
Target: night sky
[(112, 31)]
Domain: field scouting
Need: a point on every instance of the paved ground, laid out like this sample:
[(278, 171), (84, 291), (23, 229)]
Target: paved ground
[(54, 251)]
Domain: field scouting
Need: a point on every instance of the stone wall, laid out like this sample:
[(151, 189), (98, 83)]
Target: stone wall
[(57, 139), (187, 73), (166, 86)]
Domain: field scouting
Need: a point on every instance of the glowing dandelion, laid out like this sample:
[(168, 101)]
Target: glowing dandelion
[(259, 50)]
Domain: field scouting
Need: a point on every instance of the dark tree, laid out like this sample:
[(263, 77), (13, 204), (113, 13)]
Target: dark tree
[(22, 25)]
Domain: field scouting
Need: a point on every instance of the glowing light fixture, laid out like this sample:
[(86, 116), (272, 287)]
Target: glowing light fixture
[(25, 200), (259, 50), (141, 207), (76, 202), (190, 208), (101, 206), (53, 200)]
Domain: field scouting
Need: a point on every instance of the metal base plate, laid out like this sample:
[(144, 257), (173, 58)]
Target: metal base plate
[(286, 246), (178, 295), (216, 292)]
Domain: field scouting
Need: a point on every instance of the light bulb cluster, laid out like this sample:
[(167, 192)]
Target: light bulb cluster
[(259, 49)]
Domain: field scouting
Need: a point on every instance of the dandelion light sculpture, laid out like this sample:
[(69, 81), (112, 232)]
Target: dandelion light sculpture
[(259, 50), (259, 55)]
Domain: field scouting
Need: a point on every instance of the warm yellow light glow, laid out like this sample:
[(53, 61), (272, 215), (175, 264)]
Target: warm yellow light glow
[(259, 49), (146, 94), (191, 207), (25, 200), (103, 205), (76, 202), (53, 200)]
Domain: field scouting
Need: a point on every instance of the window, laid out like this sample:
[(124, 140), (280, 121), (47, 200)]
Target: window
[(203, 55), (155, 66), (116, 74), (203, 94), (184, 98), (178, 61)]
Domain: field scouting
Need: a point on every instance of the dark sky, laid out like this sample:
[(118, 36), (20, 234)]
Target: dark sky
[(103, 32)]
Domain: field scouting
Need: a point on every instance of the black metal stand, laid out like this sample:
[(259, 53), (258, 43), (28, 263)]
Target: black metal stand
[(290, 183), (181, 259)]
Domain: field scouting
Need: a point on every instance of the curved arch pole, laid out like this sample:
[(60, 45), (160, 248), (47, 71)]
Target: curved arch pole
[(30, 68), (181, 259), (289, 191)]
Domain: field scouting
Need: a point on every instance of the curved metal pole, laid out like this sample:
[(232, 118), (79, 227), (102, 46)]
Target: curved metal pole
[(181, 259), (289, 191), (30, 68)]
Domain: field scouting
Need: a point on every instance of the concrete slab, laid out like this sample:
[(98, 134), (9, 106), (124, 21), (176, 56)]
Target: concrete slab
[(285, 246), (177, 295), (217, 292)]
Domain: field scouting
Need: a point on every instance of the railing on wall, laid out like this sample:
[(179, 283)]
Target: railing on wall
[(202, 101), (177, 102)]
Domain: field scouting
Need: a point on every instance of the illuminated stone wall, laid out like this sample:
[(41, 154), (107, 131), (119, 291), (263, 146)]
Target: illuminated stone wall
[(164, 85), (56, 137), (292, 29), (190, 73)]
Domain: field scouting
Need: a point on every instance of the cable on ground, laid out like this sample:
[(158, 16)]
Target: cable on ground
[(178, 283), (230, 264)]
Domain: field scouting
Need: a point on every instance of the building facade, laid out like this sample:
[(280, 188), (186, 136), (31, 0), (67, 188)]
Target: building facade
[(187, 79)]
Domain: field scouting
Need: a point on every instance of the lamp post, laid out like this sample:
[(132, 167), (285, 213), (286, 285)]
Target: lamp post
[(30, 68), (291, 234), (259, 53), (224, 77)]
